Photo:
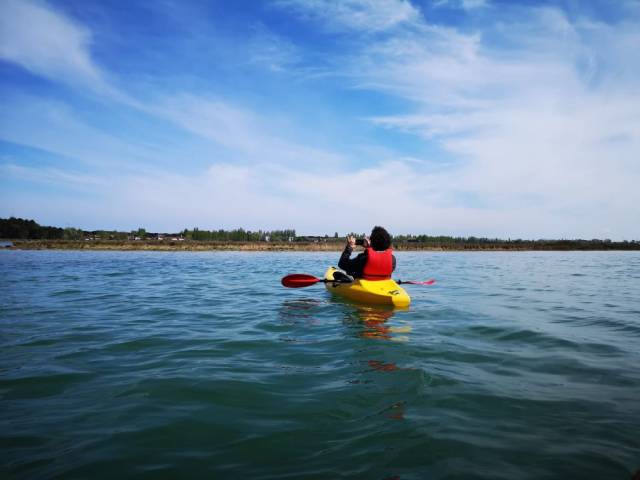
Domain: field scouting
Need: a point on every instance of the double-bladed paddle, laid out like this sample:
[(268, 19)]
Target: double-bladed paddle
[(300, 280)]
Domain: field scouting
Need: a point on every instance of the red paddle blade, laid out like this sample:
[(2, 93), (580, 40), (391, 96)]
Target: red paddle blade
[(299, 280), (428, 282)]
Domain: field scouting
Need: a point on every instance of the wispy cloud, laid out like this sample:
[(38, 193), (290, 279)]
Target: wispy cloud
[(530, 120), (55, 127), (53, 177), (230, 195), (365, 15), (251, 136), (46, 42), (464, 4), (58, 48), (271, 51)]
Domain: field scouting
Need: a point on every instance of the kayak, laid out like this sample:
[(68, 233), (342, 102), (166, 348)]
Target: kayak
[(378, 292)]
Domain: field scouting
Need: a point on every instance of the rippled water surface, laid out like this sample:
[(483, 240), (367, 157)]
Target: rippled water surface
[(201, 365)]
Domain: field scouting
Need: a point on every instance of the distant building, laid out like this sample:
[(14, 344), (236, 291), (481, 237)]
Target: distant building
[(312, 239), (6, 244)]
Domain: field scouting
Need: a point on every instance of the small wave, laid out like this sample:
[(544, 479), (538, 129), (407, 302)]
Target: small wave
[(40, 385), (66, 293), (523, 336), (138, 344)]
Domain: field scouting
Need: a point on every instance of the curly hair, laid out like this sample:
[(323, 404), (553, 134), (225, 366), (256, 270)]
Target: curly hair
[(380, 239)]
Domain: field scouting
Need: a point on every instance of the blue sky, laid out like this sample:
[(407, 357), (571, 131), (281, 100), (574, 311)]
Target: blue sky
[(455, 117)]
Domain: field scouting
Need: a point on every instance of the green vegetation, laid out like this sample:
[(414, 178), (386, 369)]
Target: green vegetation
[(28, 234), (21, 229), (17, 228), (239, 235), (425, 242)]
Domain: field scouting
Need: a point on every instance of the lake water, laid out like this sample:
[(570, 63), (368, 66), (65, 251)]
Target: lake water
[(201, 365)]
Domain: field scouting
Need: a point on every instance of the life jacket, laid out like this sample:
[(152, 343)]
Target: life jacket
[(379, 265)]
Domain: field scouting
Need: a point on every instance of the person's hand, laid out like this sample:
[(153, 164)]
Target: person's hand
[(351, 242)]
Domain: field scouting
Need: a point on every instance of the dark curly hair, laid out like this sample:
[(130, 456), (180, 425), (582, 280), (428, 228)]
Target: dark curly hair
[(380, 239)]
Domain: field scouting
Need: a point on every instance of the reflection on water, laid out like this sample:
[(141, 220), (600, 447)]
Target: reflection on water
[(296, 316), (375, 322), (396, 411), (293, 311), (381, 323), (379, 365), (370, 321)]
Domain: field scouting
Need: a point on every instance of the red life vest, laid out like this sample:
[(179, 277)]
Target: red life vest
[(379, 265)]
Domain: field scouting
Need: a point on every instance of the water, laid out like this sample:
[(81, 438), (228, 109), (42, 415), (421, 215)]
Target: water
[(200, 365)]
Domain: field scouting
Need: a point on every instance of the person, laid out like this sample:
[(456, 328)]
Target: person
[(377, 262)]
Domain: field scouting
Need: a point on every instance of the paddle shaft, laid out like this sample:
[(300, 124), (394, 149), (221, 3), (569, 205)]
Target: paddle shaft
[(300, 280)]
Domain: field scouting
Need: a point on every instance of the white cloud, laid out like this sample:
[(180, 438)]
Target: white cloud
[(552, 116), (249, 135), (364, 15), (55, 127), (53, 176), (271, 51), (470, 4), (262, 196), (464, 4), (225, 196), (46, 42), (216, 120)]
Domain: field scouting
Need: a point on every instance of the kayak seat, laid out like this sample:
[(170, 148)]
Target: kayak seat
[(342, 277)]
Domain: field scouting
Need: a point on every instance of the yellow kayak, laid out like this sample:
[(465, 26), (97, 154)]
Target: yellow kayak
[(378, 292)]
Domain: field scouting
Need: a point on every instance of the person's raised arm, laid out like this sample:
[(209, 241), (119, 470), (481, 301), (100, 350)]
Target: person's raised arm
[(353, 266)]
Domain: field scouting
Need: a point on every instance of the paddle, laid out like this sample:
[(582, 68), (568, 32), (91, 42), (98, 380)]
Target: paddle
[(411, 282), (301, 280)]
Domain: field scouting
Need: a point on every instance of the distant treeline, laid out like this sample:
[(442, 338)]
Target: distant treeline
[(445, 241), (239, 235), (18, 228), (21, 229), (410, 242)]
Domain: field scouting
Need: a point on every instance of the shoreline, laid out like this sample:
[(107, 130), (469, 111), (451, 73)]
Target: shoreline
[(174, 246)]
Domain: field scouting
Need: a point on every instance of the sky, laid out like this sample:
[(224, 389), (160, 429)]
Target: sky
[(491, 118)]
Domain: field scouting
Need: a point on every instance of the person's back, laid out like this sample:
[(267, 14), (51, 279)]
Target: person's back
[(377, 262)]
